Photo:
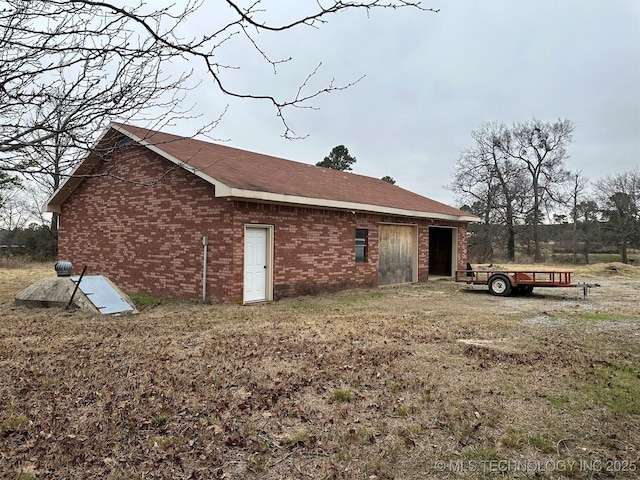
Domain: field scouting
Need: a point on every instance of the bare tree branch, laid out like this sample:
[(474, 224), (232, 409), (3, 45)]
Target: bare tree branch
[(69, 67)]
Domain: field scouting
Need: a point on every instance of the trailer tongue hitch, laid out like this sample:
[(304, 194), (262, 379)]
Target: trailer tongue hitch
[(586, 286)]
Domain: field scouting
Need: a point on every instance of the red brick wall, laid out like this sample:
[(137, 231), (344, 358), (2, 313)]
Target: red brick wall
[(423, 251), (146, 235), (462, 246), (314, 250)]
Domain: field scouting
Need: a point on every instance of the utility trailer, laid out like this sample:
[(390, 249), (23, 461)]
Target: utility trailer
[(506, 282)]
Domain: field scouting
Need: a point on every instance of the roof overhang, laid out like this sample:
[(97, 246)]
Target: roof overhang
[(108, 140), (237, 194)]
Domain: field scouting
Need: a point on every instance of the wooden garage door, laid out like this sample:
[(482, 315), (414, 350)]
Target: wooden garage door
[(397, 247)]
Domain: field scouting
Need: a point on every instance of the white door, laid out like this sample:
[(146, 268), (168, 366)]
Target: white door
[(255, 264)]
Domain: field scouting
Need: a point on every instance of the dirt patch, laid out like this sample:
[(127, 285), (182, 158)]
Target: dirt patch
[(436, 380)]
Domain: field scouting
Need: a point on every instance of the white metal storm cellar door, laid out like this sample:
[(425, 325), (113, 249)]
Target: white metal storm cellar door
[(102, 294)]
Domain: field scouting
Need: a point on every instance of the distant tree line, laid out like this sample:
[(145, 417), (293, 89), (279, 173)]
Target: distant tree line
[(24, 229), (36, 242), (514, 178)]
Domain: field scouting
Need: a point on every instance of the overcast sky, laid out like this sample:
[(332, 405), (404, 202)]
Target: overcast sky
[(432, 78)]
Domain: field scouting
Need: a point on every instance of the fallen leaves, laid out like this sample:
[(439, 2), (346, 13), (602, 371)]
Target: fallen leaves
[(379, 388)]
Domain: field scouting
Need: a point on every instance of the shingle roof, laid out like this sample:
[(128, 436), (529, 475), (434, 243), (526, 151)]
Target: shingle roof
[(242, 174)]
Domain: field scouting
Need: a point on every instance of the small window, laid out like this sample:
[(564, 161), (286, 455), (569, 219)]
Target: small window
[(362, 240)]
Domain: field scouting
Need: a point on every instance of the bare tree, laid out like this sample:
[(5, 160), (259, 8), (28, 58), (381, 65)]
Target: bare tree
[(66, 65), (578, 186), (70, 67), (16, 211), (493, 184), (513, 173), (587, 215), (475, 185), (542, 149), (24, 227), (619, 198)]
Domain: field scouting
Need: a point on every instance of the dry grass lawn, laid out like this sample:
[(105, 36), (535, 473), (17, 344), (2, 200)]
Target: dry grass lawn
[(435, 380)]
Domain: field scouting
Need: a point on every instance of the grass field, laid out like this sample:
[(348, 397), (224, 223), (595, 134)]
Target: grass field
[(596, 258), (434, 380)]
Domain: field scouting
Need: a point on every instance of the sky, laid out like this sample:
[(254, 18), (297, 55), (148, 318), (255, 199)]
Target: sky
[(430, 79)]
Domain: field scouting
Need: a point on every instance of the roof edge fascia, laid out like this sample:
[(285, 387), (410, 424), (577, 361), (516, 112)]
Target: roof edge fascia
[(253, 195)]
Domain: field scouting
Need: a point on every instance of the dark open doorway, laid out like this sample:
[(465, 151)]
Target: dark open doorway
[(440, 251)]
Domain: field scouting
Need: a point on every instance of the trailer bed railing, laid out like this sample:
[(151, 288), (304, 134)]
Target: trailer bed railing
[(519, 277)]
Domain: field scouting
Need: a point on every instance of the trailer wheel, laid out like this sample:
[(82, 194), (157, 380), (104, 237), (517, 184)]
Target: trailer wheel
[(500, 285)]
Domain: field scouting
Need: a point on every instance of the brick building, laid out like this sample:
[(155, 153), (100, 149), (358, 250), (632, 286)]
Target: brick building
[(173, 216)]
